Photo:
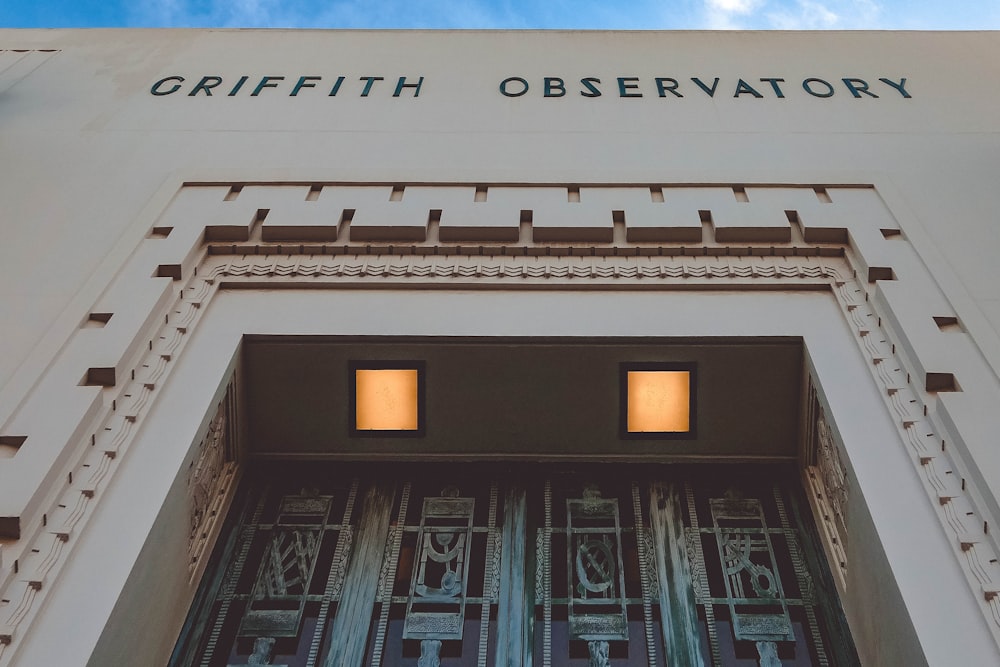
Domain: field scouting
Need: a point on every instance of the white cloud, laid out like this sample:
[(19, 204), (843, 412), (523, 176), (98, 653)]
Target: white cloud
[(697, 14), (806, 15), (864, 14), (829, 15), (791, 14), (733, 6), (565, 14), (728, 14), (318, 14)]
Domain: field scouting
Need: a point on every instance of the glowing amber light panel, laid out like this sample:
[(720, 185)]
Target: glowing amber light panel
[(386, 399), (659, 402)]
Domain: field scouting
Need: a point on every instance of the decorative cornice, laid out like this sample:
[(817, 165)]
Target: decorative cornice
[(550, 269)]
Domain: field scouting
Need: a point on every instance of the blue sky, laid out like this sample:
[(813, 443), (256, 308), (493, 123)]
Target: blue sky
[(585, 14)]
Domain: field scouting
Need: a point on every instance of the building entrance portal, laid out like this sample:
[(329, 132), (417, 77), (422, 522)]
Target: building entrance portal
[(450, 565)]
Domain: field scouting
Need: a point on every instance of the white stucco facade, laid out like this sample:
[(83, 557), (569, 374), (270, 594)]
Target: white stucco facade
[(164, 194)]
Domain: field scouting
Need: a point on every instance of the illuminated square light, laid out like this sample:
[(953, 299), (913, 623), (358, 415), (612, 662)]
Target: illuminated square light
[(658, 400), (387, 400)]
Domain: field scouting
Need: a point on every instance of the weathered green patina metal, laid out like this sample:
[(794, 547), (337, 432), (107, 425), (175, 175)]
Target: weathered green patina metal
[(660, 566), (676, 595), (350, 625), (514, 625), (436, 605)]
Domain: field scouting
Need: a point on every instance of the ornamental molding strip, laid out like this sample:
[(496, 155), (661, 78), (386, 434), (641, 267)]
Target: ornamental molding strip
[(200, 265), (212, 477), (714, 272), (827, 484)]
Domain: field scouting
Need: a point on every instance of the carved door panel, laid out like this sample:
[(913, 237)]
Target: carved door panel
[(437, 587), (595, 582), (756, 598), (451, 566)]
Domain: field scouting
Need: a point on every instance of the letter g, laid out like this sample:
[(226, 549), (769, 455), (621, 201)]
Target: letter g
[(156, 86)]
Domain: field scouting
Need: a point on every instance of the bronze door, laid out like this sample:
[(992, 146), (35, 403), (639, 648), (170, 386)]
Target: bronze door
[(499, 565)]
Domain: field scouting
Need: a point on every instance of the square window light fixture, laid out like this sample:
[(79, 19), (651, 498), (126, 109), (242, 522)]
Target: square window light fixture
[(387, 398), (657, 400)]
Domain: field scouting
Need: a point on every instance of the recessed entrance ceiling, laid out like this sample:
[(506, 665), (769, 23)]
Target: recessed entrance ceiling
[(523, 398)]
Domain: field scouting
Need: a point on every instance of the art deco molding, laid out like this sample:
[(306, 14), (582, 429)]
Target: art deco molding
[(828, 267), (212, 476), (622, 272), (828, 485)]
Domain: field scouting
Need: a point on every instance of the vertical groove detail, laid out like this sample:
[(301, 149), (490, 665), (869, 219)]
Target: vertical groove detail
[(547, 610), (228, 588), (339, 555), (647, 606), (803, 578), (484, 616), (393, 556), (713, 632)]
